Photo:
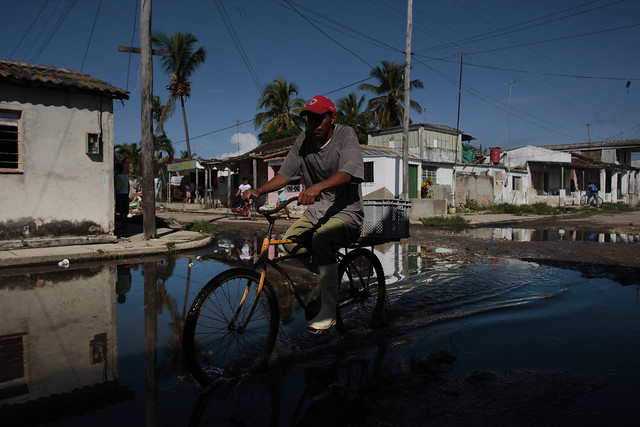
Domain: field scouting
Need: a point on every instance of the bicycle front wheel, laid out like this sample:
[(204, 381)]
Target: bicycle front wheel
[(583, 200), (222, 336), (362, 292)]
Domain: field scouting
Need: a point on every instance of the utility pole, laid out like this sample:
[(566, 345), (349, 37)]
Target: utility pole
[(146, 100), (455, 160), (146, 75), (407, 104), (588, 132), (506, 144)]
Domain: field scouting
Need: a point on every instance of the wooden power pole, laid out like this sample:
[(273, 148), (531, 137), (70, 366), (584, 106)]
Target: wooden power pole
[(407, 104), (146, 65)]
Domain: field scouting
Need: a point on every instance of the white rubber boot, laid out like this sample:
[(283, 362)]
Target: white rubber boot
[(328, 284)]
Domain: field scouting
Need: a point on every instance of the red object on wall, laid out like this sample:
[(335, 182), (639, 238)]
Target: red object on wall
[(495, 155)]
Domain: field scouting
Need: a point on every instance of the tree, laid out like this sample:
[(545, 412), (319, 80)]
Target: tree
[(182, 63), (129, 152), (163, 146), (349, 114), (387, 106), (282, 110)]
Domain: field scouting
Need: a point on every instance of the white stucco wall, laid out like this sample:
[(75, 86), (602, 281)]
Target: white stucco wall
[(518, 157), (58, 180), (386, 174)]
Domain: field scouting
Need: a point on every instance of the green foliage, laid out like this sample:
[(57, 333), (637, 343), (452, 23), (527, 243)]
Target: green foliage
[(274, 136), (387, 105), (443, 221), (204, 227), (281, 108)]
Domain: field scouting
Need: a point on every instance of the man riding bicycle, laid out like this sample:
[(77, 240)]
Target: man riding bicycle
[(329, 159)]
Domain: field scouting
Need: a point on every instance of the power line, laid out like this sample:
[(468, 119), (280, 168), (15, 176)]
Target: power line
[(93, 27), (29, 29), (238, 44), (624, 27), (54, 31), (503, 30), (325, 34), (133, 34)]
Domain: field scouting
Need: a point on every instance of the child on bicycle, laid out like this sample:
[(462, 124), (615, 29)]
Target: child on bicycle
[(244, 203), (329, 159)]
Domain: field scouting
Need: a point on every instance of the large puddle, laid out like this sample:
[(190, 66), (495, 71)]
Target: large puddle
[(536, 235), (98, 345)]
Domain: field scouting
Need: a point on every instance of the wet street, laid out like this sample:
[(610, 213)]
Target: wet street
[(499, 342)]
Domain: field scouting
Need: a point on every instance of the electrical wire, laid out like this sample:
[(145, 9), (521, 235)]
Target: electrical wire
[(93, 27), (133, 34), (238, 44), (29, 28), (514, 27), (54, 31)]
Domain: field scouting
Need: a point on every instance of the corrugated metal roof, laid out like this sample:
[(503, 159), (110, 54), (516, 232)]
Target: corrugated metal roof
[(25, 74)]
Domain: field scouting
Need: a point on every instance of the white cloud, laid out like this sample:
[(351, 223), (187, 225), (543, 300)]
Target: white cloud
[(245, 142)]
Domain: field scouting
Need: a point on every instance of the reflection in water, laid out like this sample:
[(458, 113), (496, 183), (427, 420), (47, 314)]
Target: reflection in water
[(496, 315), (57, 336), (534, 235)]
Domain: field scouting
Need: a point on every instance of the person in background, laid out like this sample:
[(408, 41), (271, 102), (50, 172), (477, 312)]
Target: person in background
[(329, 159), (242, 188), (121, 184), (593, 192), (281, 199), (187, 193)]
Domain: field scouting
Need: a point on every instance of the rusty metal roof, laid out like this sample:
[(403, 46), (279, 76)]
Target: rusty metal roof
[(25, 74)]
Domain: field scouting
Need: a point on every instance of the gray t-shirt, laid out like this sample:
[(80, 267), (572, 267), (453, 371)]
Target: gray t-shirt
[(315, 164)]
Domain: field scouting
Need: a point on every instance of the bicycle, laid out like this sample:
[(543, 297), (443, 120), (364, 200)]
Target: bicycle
[(232, 325), (592, 202), (241, 209)]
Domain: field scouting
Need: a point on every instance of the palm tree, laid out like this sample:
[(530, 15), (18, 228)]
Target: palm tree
[(282, 109), (387, 106), (349, 114), (129, 152), (163, 145), (182, 63)]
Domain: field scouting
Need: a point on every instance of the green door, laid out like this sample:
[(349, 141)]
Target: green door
[(413, 181)]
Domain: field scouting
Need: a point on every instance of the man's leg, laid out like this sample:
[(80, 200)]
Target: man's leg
[(326, 242)]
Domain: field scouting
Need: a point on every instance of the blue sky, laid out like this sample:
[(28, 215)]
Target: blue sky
[(567, 62)]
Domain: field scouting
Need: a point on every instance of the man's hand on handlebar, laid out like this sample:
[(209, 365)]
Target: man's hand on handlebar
[(309, 195), (250, 194)]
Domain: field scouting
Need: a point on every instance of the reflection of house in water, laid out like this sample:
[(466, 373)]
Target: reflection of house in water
[(59, 340)]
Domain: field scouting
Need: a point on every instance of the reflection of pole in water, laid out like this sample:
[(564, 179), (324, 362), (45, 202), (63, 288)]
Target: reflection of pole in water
[(151, 342)]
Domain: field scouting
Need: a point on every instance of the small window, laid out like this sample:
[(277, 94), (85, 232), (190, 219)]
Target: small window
[(429, 172), (9, 153), (517, 184), (368, 171)]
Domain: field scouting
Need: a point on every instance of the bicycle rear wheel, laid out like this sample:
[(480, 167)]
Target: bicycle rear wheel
[(220, 340), (362, 292)]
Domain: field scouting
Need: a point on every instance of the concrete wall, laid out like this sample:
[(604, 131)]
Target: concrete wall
[(421, 208), (60, 189)]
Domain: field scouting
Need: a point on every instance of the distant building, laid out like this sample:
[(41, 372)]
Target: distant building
[(56, 153)]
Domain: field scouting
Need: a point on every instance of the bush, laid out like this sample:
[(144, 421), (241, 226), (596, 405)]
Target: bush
[(204, 227), (443, 221)]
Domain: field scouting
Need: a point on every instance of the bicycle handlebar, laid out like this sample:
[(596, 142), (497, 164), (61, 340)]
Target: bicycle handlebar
[(277, 209)]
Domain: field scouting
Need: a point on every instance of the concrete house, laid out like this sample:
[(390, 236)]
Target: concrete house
[(531, 174), (437, 148), (56, 154)]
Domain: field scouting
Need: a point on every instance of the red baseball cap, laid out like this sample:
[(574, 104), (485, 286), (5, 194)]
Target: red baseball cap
[(319, 105)]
